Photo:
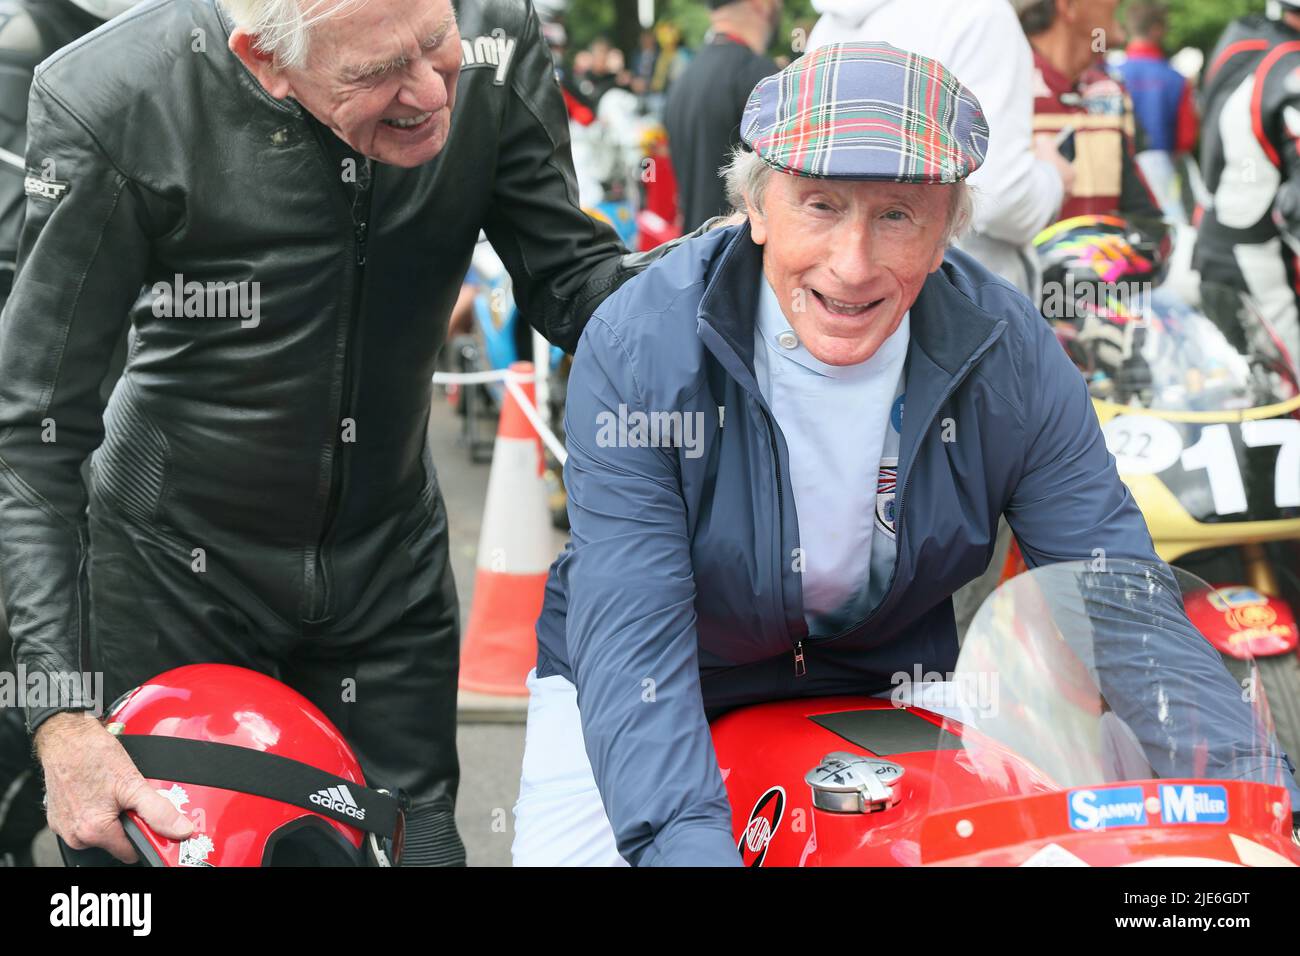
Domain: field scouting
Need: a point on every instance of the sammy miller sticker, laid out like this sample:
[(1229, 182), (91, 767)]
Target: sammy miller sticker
[(1193, 803), (1101, 808), (493, 51)]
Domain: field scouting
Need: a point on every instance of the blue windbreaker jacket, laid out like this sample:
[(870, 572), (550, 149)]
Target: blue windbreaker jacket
[(678, 597)]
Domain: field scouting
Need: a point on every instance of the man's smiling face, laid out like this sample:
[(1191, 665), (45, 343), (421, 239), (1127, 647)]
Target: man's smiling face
[(382, 75), (847, 259)]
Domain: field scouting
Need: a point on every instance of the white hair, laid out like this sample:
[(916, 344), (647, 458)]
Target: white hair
[(746, 178), (282, 27)]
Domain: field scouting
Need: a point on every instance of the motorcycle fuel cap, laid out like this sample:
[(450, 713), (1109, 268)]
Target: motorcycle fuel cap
[(851, 783)]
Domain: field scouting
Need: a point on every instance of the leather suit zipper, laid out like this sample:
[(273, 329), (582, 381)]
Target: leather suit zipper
[(361, 215), (358, 217), (342, 449)]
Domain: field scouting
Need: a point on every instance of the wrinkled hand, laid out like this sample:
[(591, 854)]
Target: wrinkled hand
[(1046, 150), (90, 781)]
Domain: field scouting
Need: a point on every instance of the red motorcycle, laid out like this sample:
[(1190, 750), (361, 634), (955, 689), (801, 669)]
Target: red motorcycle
[(1062, 738)]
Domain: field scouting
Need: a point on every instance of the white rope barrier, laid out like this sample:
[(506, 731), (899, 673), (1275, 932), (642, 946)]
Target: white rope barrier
[(478, 378), (14, 160), (547, 436), (511, 380)]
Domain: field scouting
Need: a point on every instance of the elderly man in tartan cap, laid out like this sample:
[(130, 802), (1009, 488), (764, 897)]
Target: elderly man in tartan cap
[(790, 441)]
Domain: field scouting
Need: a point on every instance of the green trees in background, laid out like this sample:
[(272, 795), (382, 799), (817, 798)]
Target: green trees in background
[(1195, 23), (1198, 23), (617, 19)]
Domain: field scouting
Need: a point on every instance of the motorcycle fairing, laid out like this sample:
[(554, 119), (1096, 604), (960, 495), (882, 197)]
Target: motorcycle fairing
[(1009, 832)]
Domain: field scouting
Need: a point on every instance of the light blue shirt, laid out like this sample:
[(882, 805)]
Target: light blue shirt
[(841, 425)]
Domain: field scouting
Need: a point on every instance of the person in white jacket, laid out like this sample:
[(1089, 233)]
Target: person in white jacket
[(1022, 182)]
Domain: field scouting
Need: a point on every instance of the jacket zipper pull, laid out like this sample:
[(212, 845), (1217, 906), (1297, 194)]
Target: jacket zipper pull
[(361, 243), (799, 668)]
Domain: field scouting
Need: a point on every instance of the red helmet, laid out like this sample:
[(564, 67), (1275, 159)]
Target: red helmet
[(262, 774)]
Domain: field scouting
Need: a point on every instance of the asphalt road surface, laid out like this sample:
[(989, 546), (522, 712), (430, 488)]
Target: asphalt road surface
[(490, 753)]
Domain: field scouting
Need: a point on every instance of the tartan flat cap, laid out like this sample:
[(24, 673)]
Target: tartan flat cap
[(866, 111)]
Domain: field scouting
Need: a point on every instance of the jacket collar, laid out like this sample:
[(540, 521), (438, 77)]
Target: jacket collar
[(1056, 81), (949, 334), (947, 328), (1143, 50), (245, 78), (729, 306)]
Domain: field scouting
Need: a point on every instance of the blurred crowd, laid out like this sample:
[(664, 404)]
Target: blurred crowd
[(1087, 112)]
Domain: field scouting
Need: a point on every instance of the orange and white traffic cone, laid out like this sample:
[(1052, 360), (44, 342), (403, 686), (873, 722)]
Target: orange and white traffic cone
[(514, 554)]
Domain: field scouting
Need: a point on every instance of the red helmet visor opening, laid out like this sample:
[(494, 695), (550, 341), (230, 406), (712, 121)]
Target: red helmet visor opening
[(310, 841)]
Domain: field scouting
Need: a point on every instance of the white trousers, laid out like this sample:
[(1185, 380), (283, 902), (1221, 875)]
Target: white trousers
[(559, 819)]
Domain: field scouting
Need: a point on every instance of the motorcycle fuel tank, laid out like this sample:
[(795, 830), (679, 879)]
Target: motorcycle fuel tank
[(858, 781), (838, 781)]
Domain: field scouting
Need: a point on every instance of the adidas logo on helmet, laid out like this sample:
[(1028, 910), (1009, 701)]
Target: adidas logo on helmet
[(339, 800)]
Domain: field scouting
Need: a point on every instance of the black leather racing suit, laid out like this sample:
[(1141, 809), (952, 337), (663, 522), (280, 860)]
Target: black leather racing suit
[(30, 30), (263, 494), (1250, 234)]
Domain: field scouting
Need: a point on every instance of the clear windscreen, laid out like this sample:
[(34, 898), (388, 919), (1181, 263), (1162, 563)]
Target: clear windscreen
[(1092, 675)]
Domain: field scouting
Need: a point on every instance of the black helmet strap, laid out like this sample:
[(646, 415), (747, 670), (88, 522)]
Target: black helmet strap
[(206, 763)]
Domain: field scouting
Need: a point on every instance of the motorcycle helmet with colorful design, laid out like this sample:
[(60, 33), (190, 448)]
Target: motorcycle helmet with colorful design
[(261, 772), (1097, 275), (1100, 249)]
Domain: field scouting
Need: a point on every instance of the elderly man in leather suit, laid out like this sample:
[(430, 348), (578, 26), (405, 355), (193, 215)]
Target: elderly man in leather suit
[(281, 199)]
